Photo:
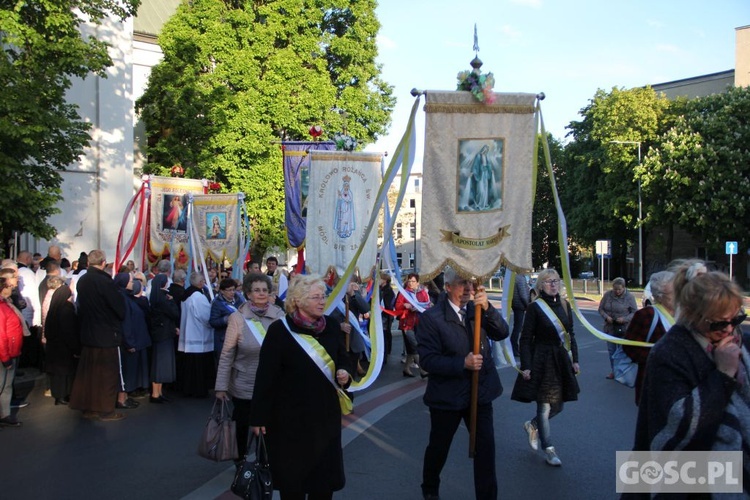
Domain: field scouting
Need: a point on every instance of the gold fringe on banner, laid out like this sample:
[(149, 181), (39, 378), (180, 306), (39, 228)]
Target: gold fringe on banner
[(477, 108)]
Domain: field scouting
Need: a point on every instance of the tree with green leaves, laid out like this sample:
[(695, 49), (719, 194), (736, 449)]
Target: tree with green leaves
[(601, 199), (698, 173), (238, 77), (545, 248), (40, 132)]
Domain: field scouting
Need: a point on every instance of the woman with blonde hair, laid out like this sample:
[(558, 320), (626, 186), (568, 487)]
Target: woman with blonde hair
[(301, 375), (696, 395), (549, 361)]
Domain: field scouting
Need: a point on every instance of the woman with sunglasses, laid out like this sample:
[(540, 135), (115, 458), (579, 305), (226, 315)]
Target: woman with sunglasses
[(696, 395), (238, 361), (549, 361)]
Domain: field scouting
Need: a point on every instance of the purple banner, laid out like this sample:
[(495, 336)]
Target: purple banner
[(296, 184)]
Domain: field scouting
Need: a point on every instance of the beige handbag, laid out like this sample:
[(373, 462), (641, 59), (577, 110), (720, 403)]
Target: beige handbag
[(218, 441)]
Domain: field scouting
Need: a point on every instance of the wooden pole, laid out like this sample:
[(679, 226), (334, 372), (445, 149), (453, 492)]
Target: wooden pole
[(475, 385)]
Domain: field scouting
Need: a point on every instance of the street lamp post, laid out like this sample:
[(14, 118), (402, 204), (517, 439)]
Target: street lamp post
[(640, 213)]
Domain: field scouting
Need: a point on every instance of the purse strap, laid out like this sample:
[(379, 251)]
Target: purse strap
[(261, 452)]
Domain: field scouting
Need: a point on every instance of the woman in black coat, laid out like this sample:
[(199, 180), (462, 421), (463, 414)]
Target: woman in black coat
[(549, 361), (165, 321), (63, 344), (295, 402)]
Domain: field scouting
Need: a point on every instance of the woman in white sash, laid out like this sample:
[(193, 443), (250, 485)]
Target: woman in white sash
[(650, 323), (549, 361), (238, 361), (302, 369)]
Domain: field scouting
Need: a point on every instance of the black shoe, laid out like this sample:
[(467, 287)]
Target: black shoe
[(133, 402), (9, 422), (19, 404), (158, 400), (61, 401), (408, 374), (163, 399), (127, 405), (430, 496)]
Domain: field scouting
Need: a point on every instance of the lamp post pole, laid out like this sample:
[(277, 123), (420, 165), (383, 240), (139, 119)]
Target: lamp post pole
[(640, 213)]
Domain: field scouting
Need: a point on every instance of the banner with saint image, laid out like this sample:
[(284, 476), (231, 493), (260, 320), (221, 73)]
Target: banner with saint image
[(478, 180), (343, 187), (218, 223)]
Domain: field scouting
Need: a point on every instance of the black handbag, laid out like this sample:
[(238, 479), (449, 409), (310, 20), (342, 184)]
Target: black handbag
[(252, 481)]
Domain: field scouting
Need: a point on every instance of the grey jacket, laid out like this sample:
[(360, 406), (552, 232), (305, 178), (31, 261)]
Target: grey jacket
[(238, 361)]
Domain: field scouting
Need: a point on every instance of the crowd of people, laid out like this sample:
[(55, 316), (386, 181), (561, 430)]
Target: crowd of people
[(108, 339)]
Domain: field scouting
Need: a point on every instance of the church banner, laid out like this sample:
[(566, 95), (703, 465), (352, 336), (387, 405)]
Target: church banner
[(343, 191), (169, 211), (217, 218), (296, 185), (478, 180)]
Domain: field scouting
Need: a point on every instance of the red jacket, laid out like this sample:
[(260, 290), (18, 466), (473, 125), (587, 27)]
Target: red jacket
[(408, 318), (11, 333)]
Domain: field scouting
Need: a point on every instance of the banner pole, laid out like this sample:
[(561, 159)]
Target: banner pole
[(475, 385)]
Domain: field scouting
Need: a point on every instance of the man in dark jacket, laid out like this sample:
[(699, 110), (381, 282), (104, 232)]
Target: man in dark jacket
[(445, 342), (101, 311)]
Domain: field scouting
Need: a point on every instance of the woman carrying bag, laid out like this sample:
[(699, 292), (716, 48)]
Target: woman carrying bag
[(617, 308)]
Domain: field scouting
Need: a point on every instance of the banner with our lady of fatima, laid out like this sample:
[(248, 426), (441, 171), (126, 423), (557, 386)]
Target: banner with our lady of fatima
[(340, 202), (477, 195)]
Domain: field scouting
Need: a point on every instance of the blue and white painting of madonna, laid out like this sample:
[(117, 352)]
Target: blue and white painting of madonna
[(480, 172)]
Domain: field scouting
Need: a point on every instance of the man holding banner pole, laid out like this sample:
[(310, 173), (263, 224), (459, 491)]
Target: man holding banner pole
[(445, 345)]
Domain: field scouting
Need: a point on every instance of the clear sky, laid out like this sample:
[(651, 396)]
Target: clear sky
[(565, 48)]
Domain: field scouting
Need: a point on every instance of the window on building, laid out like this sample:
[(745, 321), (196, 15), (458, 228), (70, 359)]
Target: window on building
[(412, 203), (412, 261), (413, 230), (399, 231), (399, 259), (416, 185)]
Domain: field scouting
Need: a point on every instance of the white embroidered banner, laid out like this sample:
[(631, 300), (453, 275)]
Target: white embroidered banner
[(478, 181), (341, 199)]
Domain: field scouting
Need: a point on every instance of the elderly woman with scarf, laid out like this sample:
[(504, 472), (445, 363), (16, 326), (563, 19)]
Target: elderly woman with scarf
[(165, 319), (696, 395), (617, 308), (238, 362), (298, 395), (135, 340), (63, 344), (226, 302)]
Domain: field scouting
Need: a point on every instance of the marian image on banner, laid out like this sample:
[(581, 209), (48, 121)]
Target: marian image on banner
[(480, 175), (477, 186), (218, 223), (343, 187)]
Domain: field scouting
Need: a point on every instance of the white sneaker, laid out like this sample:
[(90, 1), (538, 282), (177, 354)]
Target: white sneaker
[(552, 457), (415, 366), (533, 434)]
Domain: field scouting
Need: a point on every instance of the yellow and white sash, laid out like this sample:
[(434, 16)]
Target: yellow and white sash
[(666, 319), (256, 328), (322, 360), (561, 331)]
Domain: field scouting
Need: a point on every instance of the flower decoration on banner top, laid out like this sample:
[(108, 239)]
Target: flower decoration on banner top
[(214, 186), (344, 142), (474, 81), (316, 131), (480, 85), (177, 170)]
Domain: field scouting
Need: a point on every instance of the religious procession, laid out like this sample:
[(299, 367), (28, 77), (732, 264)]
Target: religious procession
[(290, 355)]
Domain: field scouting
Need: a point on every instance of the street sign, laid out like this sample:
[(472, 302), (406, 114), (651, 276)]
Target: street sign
[(603, 247), (732, 247)]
